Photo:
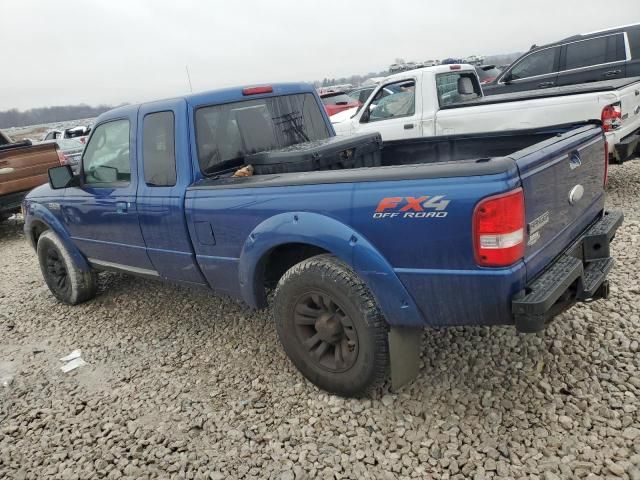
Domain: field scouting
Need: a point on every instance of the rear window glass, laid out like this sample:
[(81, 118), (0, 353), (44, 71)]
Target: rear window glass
[(594, 51), (456, 88), (226, 133)]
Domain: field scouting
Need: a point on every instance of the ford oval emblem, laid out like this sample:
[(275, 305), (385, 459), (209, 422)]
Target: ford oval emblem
[(576, 193)]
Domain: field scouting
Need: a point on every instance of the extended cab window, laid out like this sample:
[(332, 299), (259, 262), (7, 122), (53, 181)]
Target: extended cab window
[(537, 63), (393, 101), (594, 51), (158, 149), (457, 87), (106, 158), (226, 133)]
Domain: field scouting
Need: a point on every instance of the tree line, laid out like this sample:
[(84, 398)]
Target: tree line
[(37, 116)]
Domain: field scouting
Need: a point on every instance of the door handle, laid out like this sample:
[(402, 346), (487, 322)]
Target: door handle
[(408, 126), (546, 84), (611, 73), (6, 171), (122, 207)]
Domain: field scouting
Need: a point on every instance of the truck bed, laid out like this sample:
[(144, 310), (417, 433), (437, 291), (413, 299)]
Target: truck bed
[(591, 87), (422, 158)]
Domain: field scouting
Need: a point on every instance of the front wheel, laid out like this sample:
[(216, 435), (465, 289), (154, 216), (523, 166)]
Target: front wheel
[(331, 328), (66, 281)]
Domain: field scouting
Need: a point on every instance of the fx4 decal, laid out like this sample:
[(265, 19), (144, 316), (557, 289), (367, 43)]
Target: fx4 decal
[(412, 207)]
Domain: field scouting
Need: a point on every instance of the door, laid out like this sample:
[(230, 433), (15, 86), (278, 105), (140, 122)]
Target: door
[(392, 112), (593, 60), (538, 69), (101, 215), (165, 174)]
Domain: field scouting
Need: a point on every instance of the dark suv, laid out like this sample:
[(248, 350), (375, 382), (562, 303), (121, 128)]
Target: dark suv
[(592, 57)]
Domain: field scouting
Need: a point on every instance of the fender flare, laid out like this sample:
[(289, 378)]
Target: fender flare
[(38, 212), (342, 241)]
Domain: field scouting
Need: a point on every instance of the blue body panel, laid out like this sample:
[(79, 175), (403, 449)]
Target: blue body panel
[(421, 268)]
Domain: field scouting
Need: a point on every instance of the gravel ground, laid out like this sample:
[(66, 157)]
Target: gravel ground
[(179, 384)]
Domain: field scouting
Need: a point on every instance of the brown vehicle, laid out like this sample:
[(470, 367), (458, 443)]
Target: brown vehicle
[(23, 166)]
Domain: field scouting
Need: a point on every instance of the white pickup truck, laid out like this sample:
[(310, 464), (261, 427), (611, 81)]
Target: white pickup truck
[(448, 100)]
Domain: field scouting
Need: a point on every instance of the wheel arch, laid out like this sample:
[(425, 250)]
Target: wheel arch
[(40, 219), (313, 232)]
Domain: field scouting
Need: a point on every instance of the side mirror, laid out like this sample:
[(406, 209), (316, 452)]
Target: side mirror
[(364, 118), (507, 78), (62, 177)]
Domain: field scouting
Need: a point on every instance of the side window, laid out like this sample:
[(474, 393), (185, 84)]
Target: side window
[(633, 34), (457, 87), (393, 101), (106, 157), (594, 51), (49, 136), (158, 149), (538, 63)]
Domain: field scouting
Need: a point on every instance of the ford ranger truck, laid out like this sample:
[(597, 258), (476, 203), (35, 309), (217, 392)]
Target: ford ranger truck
[(500, 228), (448, 100)]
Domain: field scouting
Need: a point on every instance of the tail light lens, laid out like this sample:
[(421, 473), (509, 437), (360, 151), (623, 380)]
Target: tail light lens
[(606, 164), (498, 229), (611, 117)]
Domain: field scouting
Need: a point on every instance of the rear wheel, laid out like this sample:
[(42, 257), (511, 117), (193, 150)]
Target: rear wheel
[(330, 326), (66, 281)]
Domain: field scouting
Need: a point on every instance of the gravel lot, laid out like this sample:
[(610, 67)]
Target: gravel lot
[(179, 384)]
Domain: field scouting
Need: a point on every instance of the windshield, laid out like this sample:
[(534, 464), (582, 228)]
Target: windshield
[(225, 134)]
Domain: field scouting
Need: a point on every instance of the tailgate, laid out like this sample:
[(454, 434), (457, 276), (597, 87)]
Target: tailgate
[(26, 167), (562, 179), (630, 105)]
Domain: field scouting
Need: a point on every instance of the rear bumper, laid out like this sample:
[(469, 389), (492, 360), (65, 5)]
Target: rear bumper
[(579, 274), (625, 146), (11, 203)]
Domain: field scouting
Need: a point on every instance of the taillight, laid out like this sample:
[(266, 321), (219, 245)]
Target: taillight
[(498, 229), (606, 164), (611, 117), (257, 90), (61, 157), (455, 67)]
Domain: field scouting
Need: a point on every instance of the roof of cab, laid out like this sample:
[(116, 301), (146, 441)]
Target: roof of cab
[(585, 36), (212, 97)]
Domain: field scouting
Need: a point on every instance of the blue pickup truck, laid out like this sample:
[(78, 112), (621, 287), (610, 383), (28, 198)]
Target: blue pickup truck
[(484, 229)]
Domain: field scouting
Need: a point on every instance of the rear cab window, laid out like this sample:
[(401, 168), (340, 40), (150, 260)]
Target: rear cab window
[(226, 133), (457, 87), (158, 149)]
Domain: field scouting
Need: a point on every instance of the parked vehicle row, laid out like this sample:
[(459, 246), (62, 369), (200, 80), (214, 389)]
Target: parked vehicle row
[(365, 244), (592, 57), (448, 100)]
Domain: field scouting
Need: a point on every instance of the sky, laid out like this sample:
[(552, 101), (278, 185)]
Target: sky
[(59, 52)]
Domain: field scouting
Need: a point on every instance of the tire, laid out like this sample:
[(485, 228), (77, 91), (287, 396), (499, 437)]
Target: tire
[(66, 281), (331, 328)]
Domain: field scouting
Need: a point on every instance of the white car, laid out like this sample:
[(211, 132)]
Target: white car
[(448, 100)]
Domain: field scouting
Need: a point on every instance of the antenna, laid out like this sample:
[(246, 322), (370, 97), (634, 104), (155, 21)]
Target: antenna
[(186, 67)]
